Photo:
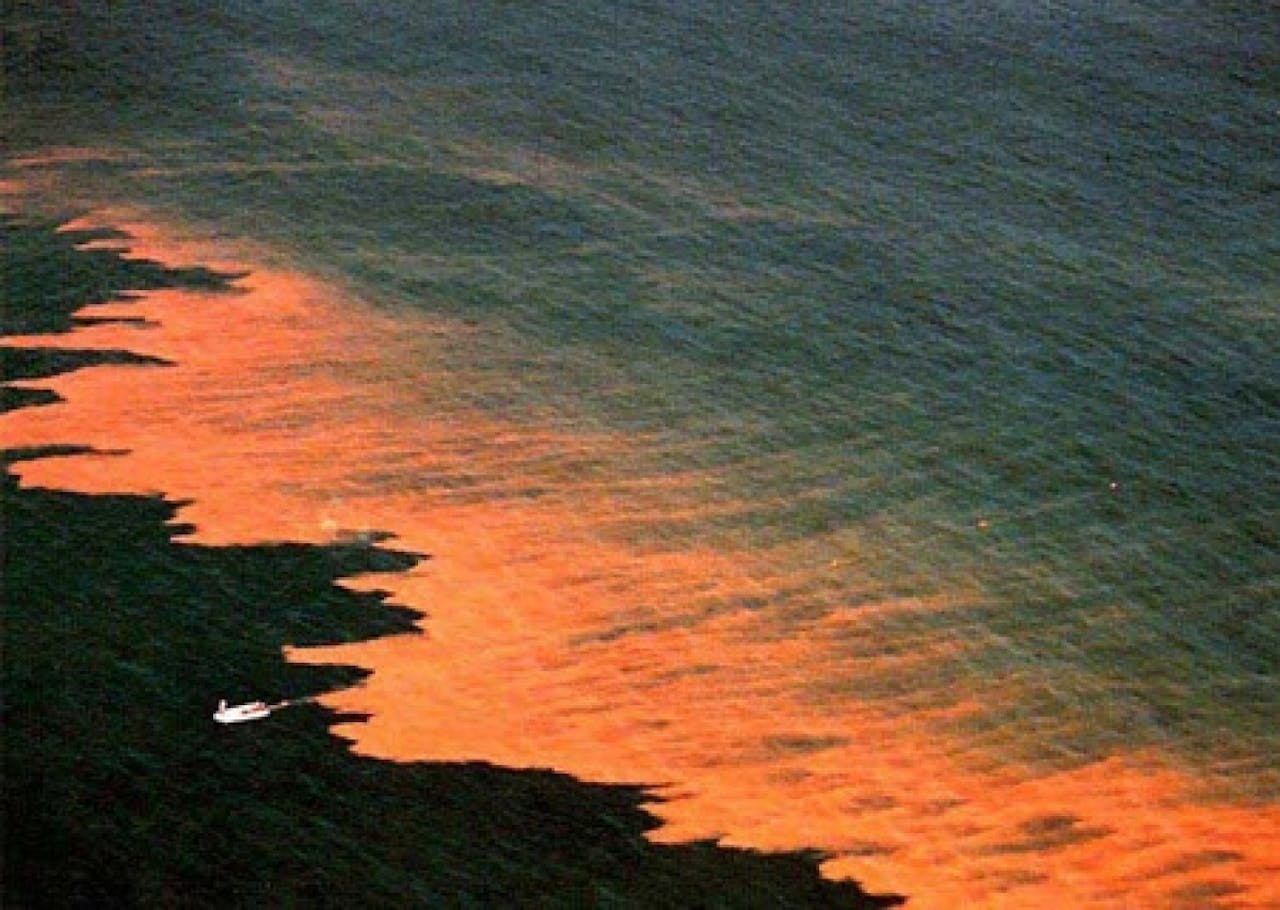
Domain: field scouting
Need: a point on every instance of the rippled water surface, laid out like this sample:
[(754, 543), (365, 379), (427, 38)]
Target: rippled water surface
[(859, 422)]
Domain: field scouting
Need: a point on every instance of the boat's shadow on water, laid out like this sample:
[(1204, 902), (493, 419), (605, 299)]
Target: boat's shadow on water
[(120, 790)]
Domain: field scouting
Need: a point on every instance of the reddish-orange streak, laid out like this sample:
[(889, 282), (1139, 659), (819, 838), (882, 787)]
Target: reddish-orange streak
[(283, 402)]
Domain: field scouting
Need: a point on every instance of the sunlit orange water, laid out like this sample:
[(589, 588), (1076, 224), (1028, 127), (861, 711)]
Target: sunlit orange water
[(295, 412)]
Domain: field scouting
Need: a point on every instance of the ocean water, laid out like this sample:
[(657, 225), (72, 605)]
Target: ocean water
[(859, 421)]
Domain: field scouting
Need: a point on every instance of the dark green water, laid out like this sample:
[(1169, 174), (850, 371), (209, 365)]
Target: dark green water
[(880, 271)]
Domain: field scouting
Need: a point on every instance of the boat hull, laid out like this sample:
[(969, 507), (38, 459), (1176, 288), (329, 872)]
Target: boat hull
[(238, 714)]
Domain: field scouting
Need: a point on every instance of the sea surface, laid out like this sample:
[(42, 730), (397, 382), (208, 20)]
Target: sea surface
[(858, 421)]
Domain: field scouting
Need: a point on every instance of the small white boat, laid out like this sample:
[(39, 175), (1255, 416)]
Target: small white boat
[(238, 714)]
